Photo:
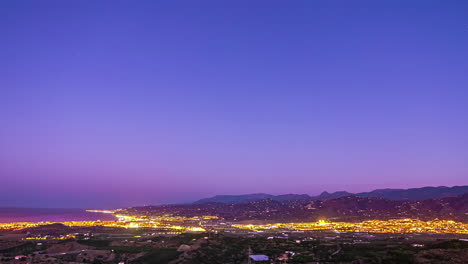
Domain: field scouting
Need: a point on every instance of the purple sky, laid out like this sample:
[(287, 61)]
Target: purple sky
[(119, 103)]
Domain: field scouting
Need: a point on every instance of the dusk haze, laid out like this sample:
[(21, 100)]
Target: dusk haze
[(171, 103)]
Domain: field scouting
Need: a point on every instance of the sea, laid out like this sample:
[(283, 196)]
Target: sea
[(9, 215)]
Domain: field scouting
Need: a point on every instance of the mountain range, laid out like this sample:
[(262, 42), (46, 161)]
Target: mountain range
[(413, 194), (349, 208), (427, 203)]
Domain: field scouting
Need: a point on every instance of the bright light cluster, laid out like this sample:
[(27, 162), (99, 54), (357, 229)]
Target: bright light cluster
[(371, 226), (180, 224), (165, 222)]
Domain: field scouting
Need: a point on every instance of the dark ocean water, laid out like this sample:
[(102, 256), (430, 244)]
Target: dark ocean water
[(8, 215)]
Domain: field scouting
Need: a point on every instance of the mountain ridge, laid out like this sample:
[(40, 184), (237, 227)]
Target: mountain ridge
[(411, 194), (349, 208)]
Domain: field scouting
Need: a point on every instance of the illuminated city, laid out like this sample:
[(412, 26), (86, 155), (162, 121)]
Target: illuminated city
[(204, 223), (143, 233), (372, 226)]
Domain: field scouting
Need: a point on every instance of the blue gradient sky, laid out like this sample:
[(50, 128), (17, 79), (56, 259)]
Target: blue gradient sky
[(118, 103)]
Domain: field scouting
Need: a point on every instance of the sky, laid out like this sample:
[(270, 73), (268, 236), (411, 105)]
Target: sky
[(106, 104)]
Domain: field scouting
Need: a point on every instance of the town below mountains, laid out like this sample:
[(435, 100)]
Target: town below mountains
[(329, 228), (449, 203)]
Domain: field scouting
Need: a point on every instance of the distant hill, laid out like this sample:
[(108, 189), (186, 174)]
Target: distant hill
[(234, 199), (414, 194), (327, 196)]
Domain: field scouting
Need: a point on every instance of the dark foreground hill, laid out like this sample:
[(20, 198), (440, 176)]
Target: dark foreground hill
[(350, 208)]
